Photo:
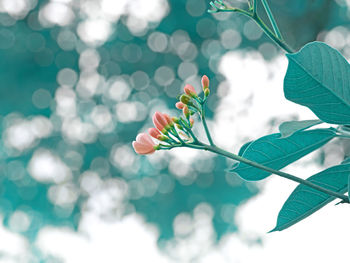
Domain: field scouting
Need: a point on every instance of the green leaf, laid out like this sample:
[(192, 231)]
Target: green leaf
[(318, 77), (240, 153), (304, 200), (289, 127), (276, 152), (244, 147)]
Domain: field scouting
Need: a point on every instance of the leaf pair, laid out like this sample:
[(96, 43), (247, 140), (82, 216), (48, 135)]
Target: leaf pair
[(277, 152), (318, 77)]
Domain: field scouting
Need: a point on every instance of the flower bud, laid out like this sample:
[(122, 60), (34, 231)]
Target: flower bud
[(176, 120), (185, 99), (189, 90), (154, 132), (186, 112), (179, 105), (205, 82), (206, 92), (162, 138), (191, 122), (144, 144), (160, 122), (168, 119)]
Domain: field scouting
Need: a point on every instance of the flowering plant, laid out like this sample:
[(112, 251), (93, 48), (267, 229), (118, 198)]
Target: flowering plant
[(317, 77), (176, 132)]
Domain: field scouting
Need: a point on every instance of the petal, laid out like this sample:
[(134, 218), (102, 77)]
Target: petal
[(144, 138), (168, 119), (189, 89), (153, 132), (160, 118), (142, 148), (179, 105), (147, 139), (205, 82), (157, 124)]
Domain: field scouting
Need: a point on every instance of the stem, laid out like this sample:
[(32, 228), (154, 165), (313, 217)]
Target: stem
[(272, 19), (173, 133), (272, 36), (255, 2), (217, 150), (206, 127), (261, 24), (193, 136), (188, 130)]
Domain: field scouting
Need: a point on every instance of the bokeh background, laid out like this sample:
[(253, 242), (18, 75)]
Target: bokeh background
[(80, 78)]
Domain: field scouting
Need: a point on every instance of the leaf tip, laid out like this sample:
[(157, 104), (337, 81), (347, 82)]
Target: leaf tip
[(273, 230)]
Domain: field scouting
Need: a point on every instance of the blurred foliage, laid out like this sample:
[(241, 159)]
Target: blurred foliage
[(94, 97)]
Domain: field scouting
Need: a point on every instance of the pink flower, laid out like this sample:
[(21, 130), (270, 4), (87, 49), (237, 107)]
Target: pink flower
[(168, 119), (186, 111), (144, 144), (205, 82), (160, 122), (154, 133), (179, 105), (189, 90)]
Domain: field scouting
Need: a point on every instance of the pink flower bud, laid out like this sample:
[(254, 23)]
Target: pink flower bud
[(144, 144), (191, 122), (160, 122), (179, 105), (168, 119), (154, 133), (189, 90), (205, 82), (186, 112)]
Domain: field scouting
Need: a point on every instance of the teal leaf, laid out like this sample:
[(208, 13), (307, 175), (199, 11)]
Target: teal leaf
[(244, 147), (240, 153), (289, 127), (304, 200), (318, 77), (276, 152)]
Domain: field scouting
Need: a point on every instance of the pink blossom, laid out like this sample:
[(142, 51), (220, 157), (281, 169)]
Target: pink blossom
[(168, 119), (179, 105), (189, 90), (154, 132), (186, 111), (160, 122), (205, 82), (144, 144)]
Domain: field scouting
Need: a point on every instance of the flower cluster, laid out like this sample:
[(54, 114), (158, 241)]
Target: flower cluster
[(172, 132)]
